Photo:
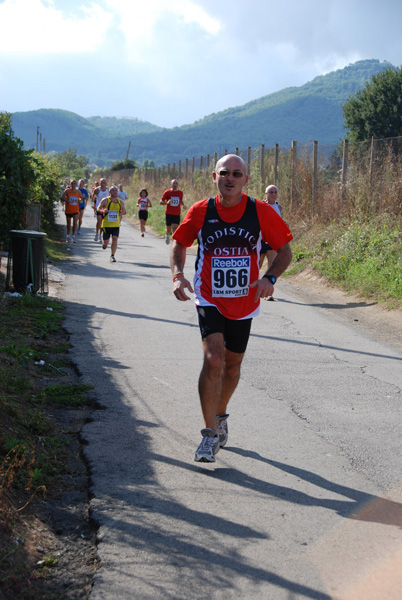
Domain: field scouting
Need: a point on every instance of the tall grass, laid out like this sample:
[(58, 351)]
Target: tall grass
[(352, 234)]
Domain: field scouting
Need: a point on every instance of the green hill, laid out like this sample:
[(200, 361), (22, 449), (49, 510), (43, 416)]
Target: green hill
[(123, 126), (310, 112)]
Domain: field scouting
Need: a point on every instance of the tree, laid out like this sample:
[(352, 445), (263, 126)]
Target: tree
[(46, 189), (73, 166), (127, 163), (16, 176), (26, 177), (376, 110)]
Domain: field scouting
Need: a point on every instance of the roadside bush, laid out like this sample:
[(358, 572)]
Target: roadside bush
[(26, 178), (17, 174)]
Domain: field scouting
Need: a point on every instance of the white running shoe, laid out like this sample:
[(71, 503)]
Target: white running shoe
[(222, 428), (96, 238), (167, 239), (112, 258), (208, 448)]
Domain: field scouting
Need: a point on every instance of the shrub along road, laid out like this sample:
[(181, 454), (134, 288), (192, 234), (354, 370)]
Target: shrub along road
[(306, 499)]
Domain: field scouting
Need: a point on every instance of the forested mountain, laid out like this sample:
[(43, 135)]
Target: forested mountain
[(123, 126), (310, 112)]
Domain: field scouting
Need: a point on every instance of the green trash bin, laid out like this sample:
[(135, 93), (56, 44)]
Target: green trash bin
[(26, 266)]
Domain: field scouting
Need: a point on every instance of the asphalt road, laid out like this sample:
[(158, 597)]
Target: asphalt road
[(306, 499)]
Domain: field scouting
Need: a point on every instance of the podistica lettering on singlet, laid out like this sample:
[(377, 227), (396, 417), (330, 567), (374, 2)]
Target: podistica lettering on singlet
[(226, 231)]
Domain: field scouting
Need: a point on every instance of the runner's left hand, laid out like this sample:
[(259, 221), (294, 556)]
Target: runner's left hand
[(264, 288)]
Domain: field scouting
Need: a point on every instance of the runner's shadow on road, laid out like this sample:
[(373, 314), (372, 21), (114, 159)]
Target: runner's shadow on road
[(324, 346), (118, 313), (360, 506), (145, 265), (329, 306), (206, 567)]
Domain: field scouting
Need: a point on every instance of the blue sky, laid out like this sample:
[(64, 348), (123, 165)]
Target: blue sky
[(172, 62)]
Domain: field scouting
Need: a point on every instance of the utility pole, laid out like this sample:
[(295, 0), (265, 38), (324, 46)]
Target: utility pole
[(128, 150)]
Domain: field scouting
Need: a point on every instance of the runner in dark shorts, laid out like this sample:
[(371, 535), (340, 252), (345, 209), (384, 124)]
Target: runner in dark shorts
[(143, 204), (173, 200), (229, 228), (112, 209)]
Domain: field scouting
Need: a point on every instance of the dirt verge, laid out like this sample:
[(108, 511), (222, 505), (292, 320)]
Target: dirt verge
[(48, 549)]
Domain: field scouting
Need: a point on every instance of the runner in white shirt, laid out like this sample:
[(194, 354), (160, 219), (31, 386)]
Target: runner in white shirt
[(99, 194), (122, 194), (143, 204)]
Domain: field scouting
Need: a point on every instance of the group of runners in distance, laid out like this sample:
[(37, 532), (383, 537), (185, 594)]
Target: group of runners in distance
[(109, 207), (235, 234)]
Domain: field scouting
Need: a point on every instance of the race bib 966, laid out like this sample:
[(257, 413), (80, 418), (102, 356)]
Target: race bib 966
[(230, 276)]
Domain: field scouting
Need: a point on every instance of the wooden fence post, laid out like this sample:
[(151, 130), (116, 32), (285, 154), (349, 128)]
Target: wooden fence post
[(208, 161), (276, 164), (193, 166), (179, 168), (201, 165), (215, 158), (293, 158), (345, 164), (372, 159), (186, 169), (262, 170), (315, 175), (237, 152)]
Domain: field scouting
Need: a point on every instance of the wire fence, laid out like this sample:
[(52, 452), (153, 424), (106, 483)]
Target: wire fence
[(327, 181)]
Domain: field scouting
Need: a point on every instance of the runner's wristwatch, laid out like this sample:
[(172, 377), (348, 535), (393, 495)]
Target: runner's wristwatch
[(270, 278)]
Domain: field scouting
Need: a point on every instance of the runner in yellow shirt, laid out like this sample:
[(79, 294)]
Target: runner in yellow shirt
[(113, 210)]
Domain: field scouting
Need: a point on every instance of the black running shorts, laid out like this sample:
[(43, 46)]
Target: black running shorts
[(110, 231), (172, 219), (235, 333)]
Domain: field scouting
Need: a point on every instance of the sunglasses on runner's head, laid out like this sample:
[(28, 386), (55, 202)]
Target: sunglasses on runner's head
[(226, 173)]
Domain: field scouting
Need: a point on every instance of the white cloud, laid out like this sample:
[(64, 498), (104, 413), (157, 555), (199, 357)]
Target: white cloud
[(192, 12), (36, 27), (141, 22), (175, 61)]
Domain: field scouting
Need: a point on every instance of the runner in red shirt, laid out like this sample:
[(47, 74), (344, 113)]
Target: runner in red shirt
[(230, 228), (173, 200)]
